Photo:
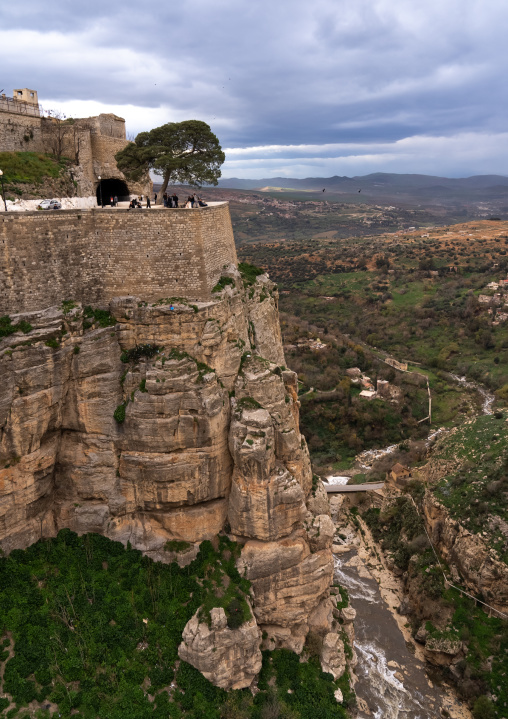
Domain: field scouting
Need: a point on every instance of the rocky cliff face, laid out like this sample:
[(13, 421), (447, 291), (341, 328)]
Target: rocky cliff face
[(173, 422), (471, 561)]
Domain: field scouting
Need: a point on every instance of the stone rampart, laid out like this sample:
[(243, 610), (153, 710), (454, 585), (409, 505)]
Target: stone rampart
[(20, 133), (90, 143), (95, 255)]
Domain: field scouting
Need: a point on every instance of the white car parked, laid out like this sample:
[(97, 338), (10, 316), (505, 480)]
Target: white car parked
[(50, 205)]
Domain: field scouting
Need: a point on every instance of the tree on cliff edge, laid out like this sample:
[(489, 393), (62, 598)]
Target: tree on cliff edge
[(186, 152)]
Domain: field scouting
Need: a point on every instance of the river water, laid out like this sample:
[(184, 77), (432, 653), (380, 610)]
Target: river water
[(392, 683), (487, 397)]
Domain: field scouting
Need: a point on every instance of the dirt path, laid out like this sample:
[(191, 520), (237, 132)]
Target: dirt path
[(10, 649)]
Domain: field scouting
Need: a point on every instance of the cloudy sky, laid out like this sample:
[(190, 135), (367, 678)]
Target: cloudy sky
[(291, 87)]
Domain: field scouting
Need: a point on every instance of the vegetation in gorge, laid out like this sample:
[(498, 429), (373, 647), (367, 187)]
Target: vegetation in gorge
[(436, 321), (94, 628), (336, 421), (399, 529), (414, 296)]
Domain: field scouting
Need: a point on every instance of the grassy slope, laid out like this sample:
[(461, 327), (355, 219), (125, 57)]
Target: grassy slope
[(29, 168), (477, 490)]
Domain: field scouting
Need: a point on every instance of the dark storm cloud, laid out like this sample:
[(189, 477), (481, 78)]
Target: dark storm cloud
[(370, 78)]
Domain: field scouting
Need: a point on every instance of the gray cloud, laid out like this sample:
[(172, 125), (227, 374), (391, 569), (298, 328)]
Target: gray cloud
[(376, 76)]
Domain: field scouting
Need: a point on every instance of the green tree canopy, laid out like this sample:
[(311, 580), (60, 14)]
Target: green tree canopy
[(186, 152)]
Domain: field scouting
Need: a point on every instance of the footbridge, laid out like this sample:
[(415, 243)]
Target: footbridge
[(347, 488)]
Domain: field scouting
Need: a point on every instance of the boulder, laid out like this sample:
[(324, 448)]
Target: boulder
[(348, 615), (229, 658), (440, 651), (333, 658), (320, 531), (317, 501)]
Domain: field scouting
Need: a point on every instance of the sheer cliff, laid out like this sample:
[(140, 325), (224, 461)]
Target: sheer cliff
[(164, 424)]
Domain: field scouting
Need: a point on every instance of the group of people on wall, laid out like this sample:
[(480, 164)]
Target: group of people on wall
[(168, 201), (172, 201)]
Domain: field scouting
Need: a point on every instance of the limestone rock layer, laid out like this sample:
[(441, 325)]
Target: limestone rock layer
[(175, 421)]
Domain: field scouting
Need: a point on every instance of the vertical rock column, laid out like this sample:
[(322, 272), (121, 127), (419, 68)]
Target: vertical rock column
[(290, 572)]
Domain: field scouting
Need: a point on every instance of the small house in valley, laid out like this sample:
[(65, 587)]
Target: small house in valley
[(399, 474)]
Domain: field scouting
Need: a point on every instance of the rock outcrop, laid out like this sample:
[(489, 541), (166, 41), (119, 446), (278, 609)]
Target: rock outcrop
[(333, 659), (466, 553), (229, 658), (171, 421)]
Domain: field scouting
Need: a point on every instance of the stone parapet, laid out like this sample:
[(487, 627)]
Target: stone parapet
[(95, 255)]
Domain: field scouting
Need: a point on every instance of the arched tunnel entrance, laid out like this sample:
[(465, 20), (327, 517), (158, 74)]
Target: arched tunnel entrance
[(111, 187)]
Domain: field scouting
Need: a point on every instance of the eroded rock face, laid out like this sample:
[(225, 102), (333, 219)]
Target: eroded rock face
[(288, 581), (171, 423), (229, 658), (320, 531), (333, 658), (480, 570), (318, 502)]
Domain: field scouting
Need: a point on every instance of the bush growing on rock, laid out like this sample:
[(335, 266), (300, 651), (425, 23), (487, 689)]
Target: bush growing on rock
[(484, 708)]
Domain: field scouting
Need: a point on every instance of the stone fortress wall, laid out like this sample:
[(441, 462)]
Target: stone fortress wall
[(96, 140), (95, 255)]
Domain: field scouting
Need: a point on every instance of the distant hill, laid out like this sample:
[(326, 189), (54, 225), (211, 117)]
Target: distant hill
[(384, 183)]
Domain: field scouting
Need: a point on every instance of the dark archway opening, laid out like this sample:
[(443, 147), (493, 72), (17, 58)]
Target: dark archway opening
[(111, 188)]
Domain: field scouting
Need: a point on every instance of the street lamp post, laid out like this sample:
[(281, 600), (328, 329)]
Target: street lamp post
[(100, 190), (3, 190)]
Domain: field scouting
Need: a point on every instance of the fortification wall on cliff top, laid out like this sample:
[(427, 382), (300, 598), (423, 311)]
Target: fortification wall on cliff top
[(95, 255)]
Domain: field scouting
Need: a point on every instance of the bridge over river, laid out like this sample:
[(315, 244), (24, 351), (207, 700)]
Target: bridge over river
[(345, 488)]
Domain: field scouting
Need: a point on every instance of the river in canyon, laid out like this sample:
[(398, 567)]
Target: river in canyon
[(392, 683)]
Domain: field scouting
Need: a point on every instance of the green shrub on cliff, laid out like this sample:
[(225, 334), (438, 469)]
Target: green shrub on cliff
[(139, 351), (119, 413), (7, 328), (175, 545), (249, 273), (104, 318), (222, 283)]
